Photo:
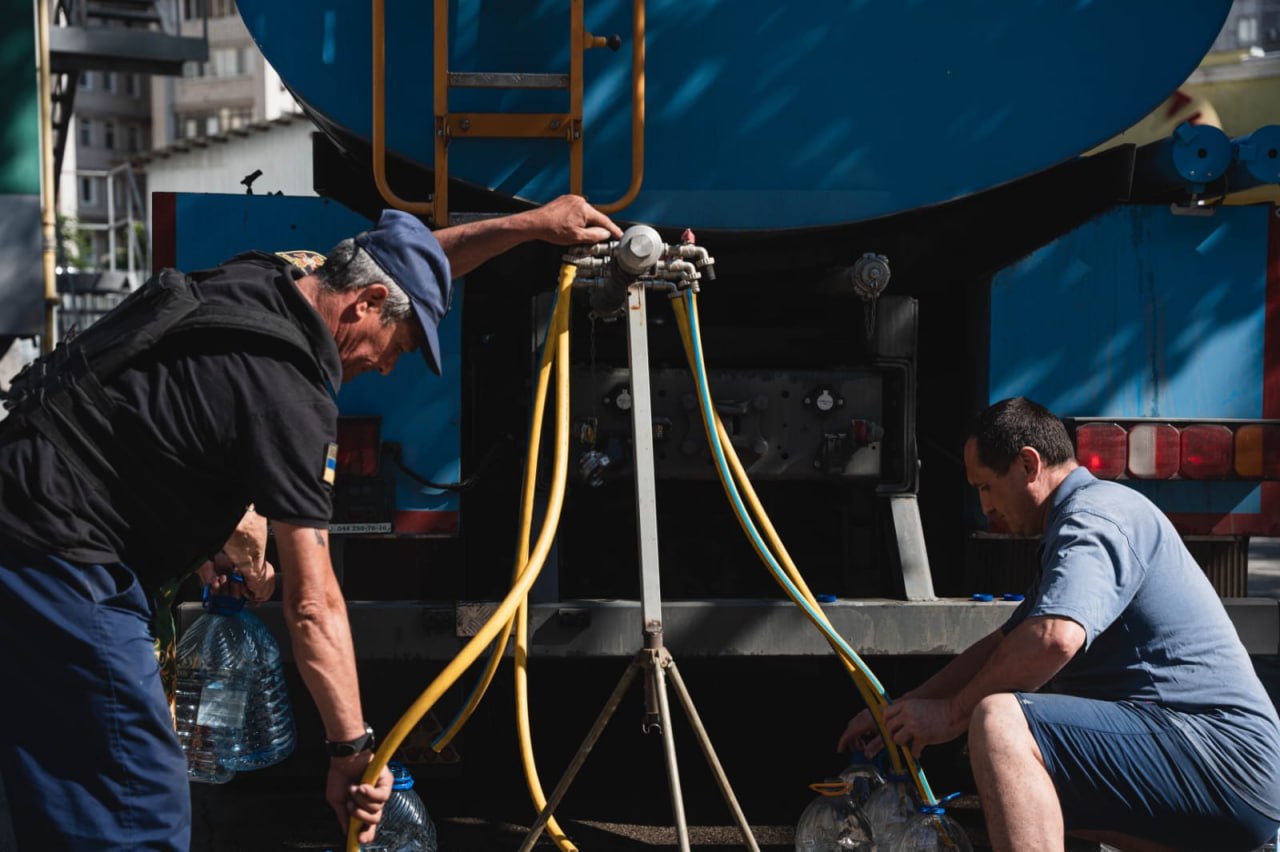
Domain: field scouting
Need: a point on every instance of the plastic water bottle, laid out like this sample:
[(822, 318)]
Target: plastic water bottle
[(891, 810), (214, 681), (863, 779), (932, 830), (270, 734), (833, 822), (405, 826)]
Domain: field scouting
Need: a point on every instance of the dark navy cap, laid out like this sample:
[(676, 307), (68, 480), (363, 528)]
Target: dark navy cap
[(408, 252)]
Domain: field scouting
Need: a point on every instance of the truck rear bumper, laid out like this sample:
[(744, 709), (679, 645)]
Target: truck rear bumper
[(403, 630)]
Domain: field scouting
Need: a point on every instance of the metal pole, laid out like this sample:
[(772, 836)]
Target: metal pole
[(654, 658), (111, 221), (657, 663), (48, 203), (646, 496), (714, 762), (129, 238)]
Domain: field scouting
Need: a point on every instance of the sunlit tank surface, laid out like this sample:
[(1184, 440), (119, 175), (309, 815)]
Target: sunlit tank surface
[(758, 115)]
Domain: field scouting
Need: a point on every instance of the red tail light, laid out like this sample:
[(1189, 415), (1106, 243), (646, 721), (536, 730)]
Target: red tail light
[(1103, 448), (1206, 452), (1154, 451), (359, 446)]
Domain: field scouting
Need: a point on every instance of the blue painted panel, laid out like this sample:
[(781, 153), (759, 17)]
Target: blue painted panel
[(762, 114), (1138, 313), (418, 409)]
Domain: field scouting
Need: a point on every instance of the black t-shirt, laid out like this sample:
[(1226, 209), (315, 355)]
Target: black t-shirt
[(205, 423)]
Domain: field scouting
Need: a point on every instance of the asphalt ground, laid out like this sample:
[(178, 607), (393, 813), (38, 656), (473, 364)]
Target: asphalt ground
[(772, 722)]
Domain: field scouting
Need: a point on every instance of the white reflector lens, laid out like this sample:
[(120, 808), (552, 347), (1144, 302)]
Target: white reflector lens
[(1153, 451)]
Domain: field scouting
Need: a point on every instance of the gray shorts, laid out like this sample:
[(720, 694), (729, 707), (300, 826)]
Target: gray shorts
[(1125, 767)]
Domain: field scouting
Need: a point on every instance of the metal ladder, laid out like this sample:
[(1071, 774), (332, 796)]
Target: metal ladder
[(450, 127)]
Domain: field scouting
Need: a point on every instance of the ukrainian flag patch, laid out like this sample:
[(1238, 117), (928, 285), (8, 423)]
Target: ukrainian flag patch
[(331, 463)]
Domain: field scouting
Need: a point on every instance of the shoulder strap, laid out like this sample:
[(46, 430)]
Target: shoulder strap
[(232, 318), (53, 392)]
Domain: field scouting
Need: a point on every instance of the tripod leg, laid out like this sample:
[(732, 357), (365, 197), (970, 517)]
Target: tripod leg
[(606, 713), (703, 740), (656, 671)]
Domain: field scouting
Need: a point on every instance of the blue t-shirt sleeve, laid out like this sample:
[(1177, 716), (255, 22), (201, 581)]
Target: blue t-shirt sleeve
[(1089, 573)]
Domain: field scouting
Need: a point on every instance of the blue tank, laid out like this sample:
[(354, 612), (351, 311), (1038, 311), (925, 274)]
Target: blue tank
[(758, 115)]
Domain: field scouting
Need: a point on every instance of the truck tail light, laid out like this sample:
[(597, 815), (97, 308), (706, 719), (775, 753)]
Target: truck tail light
[(1206, 452), (1154, 451), (1103, 448), (1150, 449), (1258, 451), (359, 446)]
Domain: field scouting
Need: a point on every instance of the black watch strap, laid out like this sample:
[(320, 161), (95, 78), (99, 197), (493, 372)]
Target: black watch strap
[(346, 748)]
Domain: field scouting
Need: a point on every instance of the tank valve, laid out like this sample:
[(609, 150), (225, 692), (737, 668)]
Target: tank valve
[(609, 268), (870, 276)]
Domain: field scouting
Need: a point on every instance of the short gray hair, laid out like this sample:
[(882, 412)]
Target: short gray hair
[(349, 267)]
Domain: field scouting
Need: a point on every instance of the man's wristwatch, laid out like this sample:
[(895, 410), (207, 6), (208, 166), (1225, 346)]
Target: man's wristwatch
[(346, 748)]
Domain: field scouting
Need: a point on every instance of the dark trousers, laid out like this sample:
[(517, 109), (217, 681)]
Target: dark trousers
[(87, 749)]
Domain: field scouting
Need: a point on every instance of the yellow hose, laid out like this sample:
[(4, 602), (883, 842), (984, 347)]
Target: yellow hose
[(526, 523), (550, 353), (502, 616), (522, 614), (869, 694), (874, 700)]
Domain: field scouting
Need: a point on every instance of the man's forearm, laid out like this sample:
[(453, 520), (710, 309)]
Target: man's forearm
[(471, 244), (319, 631), (1023, 661), (960, 671), (568, 220)]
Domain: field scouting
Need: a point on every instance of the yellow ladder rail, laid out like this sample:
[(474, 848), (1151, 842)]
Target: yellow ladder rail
[(449, 126)]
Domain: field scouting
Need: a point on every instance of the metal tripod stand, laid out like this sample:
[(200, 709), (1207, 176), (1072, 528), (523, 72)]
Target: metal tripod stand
[(653, 659)]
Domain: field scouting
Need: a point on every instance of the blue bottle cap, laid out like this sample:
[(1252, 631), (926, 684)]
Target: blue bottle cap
[(1010, 596), (221, 604), (826, 598), (981, 596), (401, 779)]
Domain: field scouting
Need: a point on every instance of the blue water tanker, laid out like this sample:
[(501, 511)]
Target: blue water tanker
[(754, 115)]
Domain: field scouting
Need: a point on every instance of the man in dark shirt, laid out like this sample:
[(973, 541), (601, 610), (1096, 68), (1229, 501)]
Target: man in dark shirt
[(148, 477)]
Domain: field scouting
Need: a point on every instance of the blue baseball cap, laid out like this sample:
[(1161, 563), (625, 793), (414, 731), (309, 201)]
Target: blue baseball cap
[(409, 254)]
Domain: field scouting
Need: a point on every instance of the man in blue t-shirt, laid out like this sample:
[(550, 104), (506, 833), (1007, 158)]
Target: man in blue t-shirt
[(1116, 703)]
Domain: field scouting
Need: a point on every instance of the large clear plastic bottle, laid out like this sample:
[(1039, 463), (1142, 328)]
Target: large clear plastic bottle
[(270, 733), (405, 826), (863, 779), (215, 662), (833, 822), (891, 809), (932, 830)]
